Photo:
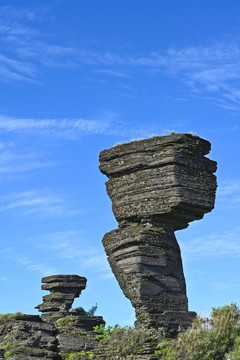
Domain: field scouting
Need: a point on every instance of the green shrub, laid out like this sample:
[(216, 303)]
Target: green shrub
[(104, 333), (4, 318), (7, 354), (235, 353), (8, 345), (125, 341), (79, 355), (209, 339), (66, 320)]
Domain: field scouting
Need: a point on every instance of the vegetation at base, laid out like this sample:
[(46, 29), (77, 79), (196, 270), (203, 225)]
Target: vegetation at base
[(128, 141), (7, 354), (217, 338), (75, 333), (63, 321), (8, 345), (104, 333), (4, 318), (79, 355), (214, 339), (124, 341), (68, 319)]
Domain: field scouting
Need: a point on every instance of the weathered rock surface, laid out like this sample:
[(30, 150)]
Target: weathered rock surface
[(156, 186), (64, 289), (31, 337)]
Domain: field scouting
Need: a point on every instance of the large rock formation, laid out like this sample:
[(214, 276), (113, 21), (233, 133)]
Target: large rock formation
[(156, 186)]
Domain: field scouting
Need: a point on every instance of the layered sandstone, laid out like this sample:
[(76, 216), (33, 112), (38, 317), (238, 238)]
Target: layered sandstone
[(63, 290), (58, 332), (156, 186)]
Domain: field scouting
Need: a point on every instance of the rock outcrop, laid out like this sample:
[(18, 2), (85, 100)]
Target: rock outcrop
[(156, 186), (58, 331)]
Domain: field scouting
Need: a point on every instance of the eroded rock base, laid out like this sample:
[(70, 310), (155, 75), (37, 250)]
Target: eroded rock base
[(146, 260)]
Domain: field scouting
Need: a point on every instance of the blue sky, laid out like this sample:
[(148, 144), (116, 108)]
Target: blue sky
[(76, 77)]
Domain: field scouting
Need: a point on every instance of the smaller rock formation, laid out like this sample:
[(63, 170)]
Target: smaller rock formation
[(31, 337), (63, 290)]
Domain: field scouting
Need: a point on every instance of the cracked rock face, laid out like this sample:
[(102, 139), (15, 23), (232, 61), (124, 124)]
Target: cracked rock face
[(156, 186)]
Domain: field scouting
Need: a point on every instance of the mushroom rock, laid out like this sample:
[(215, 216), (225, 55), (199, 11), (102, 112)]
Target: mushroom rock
[(157, 186), (63, 290)]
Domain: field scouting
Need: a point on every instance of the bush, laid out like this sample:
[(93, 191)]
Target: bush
[(7, 354), (104, 333), (4, 318), (125, 341), (235, 353), (79, 355), (212, 339), (66, 320)]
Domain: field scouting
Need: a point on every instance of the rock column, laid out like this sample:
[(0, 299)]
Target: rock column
[(157, 186), (63, 290)]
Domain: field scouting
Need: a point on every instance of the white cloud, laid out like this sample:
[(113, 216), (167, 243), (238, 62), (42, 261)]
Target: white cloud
[(5, 279), (64, 128), (13, 12), (211, 70), (112, 72), (228, 193), (229, 187), (71, 245), (15, 161), (39, 202), (107, 123), (41, 268), (212, 246)]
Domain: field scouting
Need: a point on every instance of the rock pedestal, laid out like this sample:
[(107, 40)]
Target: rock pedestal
[(156, 186), (63, 290)]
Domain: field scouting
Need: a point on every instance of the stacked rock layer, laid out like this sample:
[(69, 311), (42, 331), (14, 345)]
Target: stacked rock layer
[(30, 337), (63, 290), (156, 186)]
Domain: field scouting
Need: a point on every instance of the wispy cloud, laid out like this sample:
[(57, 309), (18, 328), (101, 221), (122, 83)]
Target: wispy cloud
[(112, 72), (71, 245), (210, 70), (229, 193), (39, 202), (13, 12), (107, 123), (212, 246), (41, 268), (64, 128), (5, 279), (16, 161)]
